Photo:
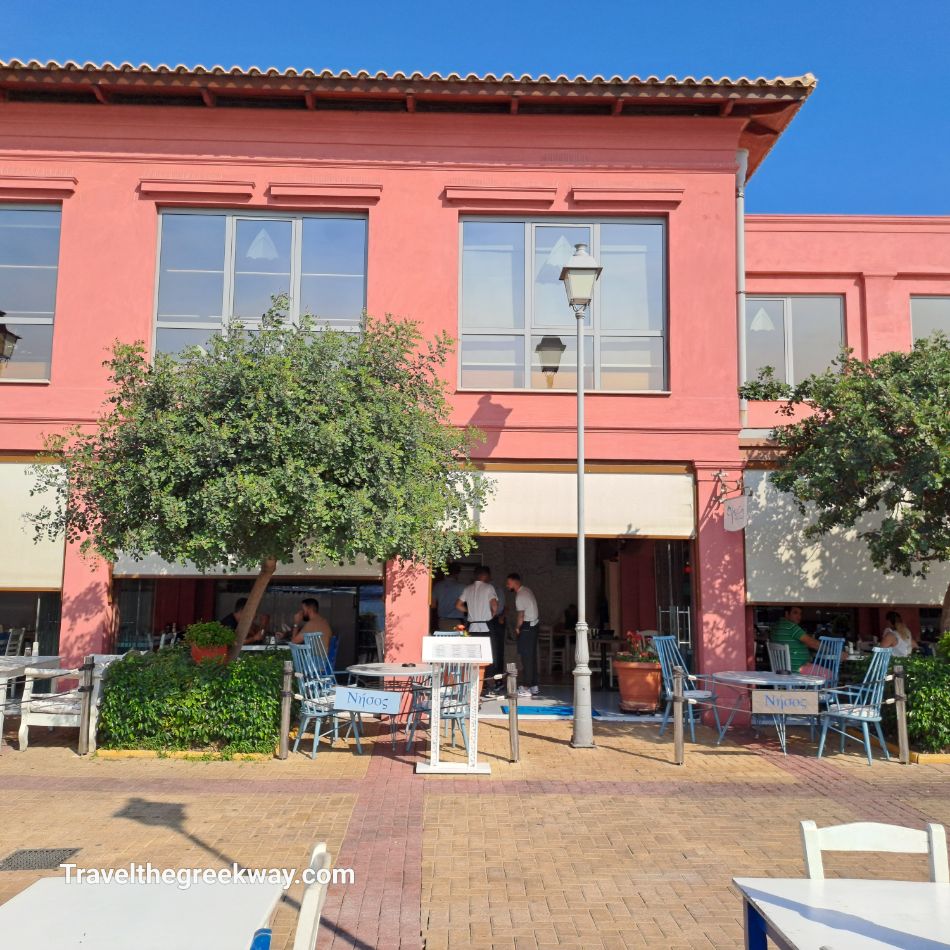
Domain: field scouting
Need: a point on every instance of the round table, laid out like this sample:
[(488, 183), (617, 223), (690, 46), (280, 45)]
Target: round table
[(390, 670), (753, 679), (766, 678)]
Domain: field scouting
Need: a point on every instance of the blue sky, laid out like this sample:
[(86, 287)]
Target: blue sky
[(874, 138)]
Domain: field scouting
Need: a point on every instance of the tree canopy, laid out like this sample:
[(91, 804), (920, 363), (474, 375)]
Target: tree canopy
[(271, 443), (875, 442)]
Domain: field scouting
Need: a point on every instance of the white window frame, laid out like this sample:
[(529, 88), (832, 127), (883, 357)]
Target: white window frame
[(232, 216), (913, 297), (594, 331), (37, 321), (787, 319)]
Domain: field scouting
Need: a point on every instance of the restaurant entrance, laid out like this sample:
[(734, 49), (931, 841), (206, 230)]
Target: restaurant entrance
[(633, 584)]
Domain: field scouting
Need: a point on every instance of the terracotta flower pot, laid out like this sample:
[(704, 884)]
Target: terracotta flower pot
[(639, 685), (208, 653)]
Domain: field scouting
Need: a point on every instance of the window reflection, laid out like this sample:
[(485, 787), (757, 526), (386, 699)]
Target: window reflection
[(492, 275), (29, 265), (553, 248)]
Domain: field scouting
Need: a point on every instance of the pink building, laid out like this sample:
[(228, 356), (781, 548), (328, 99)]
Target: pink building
[(141, 203)]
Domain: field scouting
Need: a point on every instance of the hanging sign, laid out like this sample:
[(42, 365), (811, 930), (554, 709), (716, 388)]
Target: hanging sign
[(736, 513)]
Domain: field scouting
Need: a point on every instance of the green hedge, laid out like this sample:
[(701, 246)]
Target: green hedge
[(928, 701), (164, 701)]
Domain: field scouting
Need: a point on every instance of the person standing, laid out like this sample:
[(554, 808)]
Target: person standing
[(445, 596), (479, 601), (527, 624)]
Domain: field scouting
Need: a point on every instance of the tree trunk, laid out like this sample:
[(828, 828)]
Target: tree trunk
[(254, 598), (945, 613)]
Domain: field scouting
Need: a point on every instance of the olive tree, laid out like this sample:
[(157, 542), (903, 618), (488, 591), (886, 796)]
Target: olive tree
[(270, 443), (873, 450)]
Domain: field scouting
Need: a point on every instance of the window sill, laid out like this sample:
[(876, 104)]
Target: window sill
[(569, 392), (24, 382)]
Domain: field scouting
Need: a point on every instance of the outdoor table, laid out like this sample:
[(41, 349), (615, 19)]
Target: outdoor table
[(154, 916), (13, 666), (391, 671), (747, 680), (844, 914)]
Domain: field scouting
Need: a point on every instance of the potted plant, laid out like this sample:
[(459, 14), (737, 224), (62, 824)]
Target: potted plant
[(639, 675), (209, 640)]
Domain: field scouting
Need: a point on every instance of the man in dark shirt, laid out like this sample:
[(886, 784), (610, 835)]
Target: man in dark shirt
[(233, 619)]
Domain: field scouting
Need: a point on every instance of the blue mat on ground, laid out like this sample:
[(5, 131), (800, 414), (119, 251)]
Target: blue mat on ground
[(566, 711)]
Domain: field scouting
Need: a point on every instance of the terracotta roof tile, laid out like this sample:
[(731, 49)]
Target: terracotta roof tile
[(806, 81)]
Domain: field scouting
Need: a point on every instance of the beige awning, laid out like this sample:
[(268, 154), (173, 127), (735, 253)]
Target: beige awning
[(23, 564), (782, 566), (156, 567), (618, 504)]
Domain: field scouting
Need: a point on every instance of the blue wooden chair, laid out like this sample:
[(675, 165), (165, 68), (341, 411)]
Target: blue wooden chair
[(860, 705), (668, 652), (453, 703), (829, 658), (316, 703), (323, 665)]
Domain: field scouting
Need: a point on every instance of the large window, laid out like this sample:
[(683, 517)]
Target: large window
[(797, 336), (215, 265), (29, 262), (928, 315), (517, 330)]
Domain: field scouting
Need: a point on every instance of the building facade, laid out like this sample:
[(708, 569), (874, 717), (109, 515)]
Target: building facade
[(153, 204)]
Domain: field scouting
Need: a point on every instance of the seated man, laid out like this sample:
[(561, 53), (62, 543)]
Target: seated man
[(788, 631), (309, 620)]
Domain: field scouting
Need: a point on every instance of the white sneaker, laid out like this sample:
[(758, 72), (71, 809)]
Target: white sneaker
[(524, 692)]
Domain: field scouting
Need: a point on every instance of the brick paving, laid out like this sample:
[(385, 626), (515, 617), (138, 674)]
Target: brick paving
[(610, 847)]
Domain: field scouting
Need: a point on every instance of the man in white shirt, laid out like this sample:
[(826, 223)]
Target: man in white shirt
[(479, 601), (527, 623)]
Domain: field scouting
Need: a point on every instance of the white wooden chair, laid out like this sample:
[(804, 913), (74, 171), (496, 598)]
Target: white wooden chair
[(780, 659), (874, 836), (314, 896), (14, 644), (61, 709)]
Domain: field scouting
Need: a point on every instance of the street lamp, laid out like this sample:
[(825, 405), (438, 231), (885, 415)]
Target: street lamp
[(8, 340), (550, 350), (579, 276)]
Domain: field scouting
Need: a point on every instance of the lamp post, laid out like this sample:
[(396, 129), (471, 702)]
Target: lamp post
[(8, 340), (579, 276)]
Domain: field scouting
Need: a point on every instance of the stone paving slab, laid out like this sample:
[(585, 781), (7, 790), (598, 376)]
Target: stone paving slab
[(610, 847)]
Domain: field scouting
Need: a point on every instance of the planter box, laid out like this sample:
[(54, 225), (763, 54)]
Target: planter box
[(218, 653), (639, 685)]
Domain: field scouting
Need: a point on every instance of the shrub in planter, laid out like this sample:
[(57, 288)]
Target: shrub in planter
[(639, 675), (209, 640), (163, 701)]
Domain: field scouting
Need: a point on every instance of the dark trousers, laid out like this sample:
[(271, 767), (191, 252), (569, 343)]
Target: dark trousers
[(528, 651), (496, 630)]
